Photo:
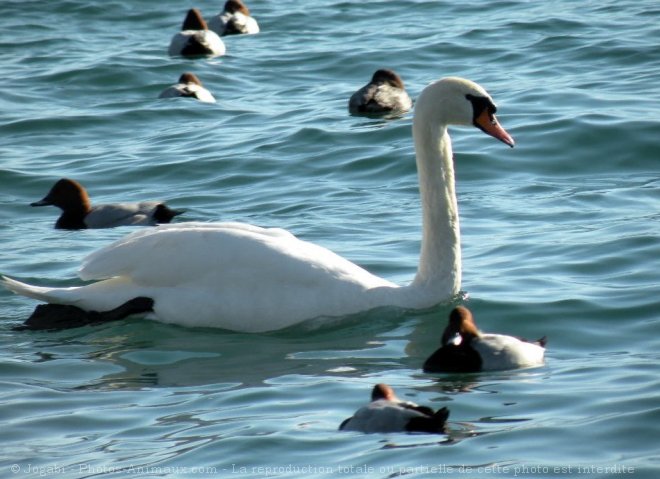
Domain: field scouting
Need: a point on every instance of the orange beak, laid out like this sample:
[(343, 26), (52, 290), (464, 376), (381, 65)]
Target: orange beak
[(488, 124)]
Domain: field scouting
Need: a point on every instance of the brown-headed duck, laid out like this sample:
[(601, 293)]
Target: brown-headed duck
[(189, 86), (466, 349), (234, 19), (78, 212), (195, 38), (387, 413), (385, 93)]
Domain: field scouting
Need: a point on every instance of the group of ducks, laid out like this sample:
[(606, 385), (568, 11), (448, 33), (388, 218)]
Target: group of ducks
[(199, 38), (463, 349), (385, 93), (246, 278), (196, 38)]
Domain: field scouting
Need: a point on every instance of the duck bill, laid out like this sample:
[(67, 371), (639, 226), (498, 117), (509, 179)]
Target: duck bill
[(44, 202), (487, 123)]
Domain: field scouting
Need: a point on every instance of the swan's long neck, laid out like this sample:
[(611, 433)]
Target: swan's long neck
[(439, 272)]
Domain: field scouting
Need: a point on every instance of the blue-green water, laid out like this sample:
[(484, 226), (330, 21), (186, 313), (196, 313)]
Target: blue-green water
[(560, 237)]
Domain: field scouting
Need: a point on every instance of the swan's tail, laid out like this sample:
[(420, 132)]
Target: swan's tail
[(49, 295), (101, 296)]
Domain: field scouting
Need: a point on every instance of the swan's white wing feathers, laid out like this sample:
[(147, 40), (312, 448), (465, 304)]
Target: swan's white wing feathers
[(238, 277), (182, 253)]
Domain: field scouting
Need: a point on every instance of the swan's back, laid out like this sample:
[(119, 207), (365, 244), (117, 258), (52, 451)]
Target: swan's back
[(234, 276), (169, 254)]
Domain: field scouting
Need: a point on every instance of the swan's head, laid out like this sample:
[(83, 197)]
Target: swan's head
[(456, 101)]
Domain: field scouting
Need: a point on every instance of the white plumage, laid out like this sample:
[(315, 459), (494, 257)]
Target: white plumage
[(189, 86), (234, 19), (195, 39), (466, 349), (246, 278), (500, 352)]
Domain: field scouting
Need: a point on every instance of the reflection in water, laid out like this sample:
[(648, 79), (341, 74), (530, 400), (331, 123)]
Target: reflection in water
[(146, 354)]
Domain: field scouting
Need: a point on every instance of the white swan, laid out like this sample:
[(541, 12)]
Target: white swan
[(245, 278)]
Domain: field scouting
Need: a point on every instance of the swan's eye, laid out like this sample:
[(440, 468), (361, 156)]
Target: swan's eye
[(481, 103)]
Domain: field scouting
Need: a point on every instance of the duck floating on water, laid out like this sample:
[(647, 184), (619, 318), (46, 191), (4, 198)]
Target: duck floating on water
[(385, 93), (466, 349), (195, 39), (234, 19), (189, 86), (53, 317), (78, 212), (387, 413)]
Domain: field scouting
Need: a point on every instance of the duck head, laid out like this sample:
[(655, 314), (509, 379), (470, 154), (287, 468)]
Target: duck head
[(389, 77), (68, 195), (194, 21), (383, 391), (461, 328)]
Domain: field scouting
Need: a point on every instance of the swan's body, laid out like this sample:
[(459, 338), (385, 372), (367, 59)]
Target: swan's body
[(387, 413), (78, 212), (466, 349), (189, 86), (385, 93), (195, 39), (234, 19), (245, 278)]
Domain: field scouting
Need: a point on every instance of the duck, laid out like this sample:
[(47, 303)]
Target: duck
[(466, 349), (234, 19), (189, 86), (387, 413), (385, 93), (55, 317), (242, 277), (78, 212), (195, 39)]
